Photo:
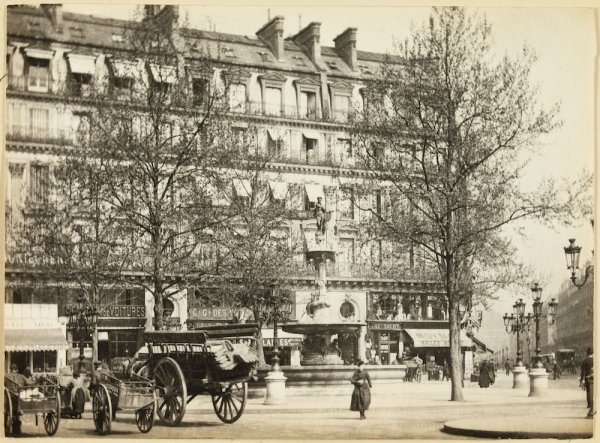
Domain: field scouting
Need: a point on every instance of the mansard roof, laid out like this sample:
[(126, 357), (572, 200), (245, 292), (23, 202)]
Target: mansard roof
[(32, 23)]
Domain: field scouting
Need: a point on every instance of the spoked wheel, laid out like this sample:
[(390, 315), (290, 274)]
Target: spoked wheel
[(52, 418), (169, 381), (144, 418), (78, 402), (229, 404), (8, 413), (102, 409)]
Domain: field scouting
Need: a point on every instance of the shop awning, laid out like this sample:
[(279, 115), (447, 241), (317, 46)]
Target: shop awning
[(19, 340), (279, 190), (124, 68), (242, 187), (435, 338), (39, 53), (311, 134), (164, 74), (82, 64), (314, 191)]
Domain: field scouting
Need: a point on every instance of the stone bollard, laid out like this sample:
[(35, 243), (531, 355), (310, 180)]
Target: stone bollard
[(275, 381), (538, 382), (519, 377)]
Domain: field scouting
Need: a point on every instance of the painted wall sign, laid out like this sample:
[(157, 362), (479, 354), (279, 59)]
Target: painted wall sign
[(122, 311), (199, 313)]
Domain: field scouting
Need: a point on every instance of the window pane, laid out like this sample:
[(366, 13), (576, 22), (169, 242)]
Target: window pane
[(237, 98), (273, 101)]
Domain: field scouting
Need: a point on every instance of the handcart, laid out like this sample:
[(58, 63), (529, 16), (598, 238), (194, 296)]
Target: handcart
[(111, 394), (413, 371), (216, 361), (41, 398)]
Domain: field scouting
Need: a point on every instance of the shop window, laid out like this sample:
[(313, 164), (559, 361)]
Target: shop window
[(38, 75), (122, 343), (44, 361), (347, 310)]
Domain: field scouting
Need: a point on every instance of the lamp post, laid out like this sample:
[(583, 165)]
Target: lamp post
[(83, 318), (572, 253), (538, 376), (516, 323), (275, 379)]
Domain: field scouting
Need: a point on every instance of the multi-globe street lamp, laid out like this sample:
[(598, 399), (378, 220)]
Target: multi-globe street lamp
[(572, 253), (517, 323), (277, 310), (83, 318), (538, 377)]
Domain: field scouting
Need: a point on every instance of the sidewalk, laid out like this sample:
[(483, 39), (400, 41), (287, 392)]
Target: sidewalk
[(410, 396)]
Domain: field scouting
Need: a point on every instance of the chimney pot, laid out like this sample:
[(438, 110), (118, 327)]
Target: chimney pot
[(345, 46), (272, 35), (309, 39)]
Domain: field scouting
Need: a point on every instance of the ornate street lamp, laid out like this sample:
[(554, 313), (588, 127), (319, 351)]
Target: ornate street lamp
[(572, 253), (536, 291), (516, 323), (83, 318), (276, 312)]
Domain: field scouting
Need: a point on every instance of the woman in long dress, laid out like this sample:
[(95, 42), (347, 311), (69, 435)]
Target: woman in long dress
[(361, 396)]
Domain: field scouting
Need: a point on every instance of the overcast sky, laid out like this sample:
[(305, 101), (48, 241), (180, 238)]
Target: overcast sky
[(564, 39)]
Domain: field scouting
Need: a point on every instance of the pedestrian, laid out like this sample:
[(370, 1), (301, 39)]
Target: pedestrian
[(556, 369), (507, 367), (587, 380), (484, 375), (492, 372), (361, 396), (445, 371)]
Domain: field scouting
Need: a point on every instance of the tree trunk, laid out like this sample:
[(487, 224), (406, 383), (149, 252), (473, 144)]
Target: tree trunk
[(455, 356)]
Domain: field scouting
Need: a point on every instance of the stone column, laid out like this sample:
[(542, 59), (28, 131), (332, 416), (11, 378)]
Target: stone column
[(362, 349)]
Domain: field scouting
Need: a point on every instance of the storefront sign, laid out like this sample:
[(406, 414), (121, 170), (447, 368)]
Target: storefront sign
[(198, 313), (122, 311), (386, 326), (268, 342)]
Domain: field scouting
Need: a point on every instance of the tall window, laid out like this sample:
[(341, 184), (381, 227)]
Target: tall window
[(237, 98), (307, 107), (39, 183), (347, 255), (344, 150), (310, 149), (273, 101), (199, 91), (346, 203), (39, 122), (38, 75), (341, 107)]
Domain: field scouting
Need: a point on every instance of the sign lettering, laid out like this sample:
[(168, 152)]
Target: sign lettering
[(119, 311), (282, 341), (389, 325), (200, 313)]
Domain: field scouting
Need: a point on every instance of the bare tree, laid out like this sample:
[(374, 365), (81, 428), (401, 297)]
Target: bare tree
[(446, 133)]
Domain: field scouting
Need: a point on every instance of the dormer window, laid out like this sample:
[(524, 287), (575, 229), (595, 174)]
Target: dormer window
[(228, 52), (265, 56), (164, 77), (364, 69), (124, 73), (82, 68), (298, 61), (117, 38), (332, 65), (279, 193)]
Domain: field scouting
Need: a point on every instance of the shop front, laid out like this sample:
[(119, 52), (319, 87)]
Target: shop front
[(289, 347), (34, 338), (384, 341)]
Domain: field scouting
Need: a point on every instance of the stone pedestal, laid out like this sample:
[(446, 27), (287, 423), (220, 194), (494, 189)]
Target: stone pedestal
[(275, 388), (519, 377), (538, 382)]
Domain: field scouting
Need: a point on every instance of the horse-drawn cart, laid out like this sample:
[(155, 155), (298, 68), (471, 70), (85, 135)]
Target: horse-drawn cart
[(111, 394), (40, 398), (216, 361)]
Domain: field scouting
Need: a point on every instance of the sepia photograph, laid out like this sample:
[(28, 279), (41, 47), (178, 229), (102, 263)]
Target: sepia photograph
[(299, 222)]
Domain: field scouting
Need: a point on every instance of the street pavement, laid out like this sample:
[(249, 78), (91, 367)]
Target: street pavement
[(402, 411)]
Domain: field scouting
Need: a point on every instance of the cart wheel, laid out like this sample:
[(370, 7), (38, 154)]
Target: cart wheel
[(102, 409), (78, 402), (8, 413), (52, 419), (229, 404), (169, 380), (144, 418)]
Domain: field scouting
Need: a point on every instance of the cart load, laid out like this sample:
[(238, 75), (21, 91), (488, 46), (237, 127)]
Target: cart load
[(216, 361)]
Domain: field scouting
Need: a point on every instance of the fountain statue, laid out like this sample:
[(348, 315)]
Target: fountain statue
[(322, 324)]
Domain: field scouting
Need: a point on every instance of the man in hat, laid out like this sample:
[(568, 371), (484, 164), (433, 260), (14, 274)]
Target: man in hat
[(587, 380)]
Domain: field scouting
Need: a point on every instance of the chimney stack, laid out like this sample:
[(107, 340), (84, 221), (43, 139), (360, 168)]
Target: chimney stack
[(55, 14), (345, 46), (272, 35), (309, 39)]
